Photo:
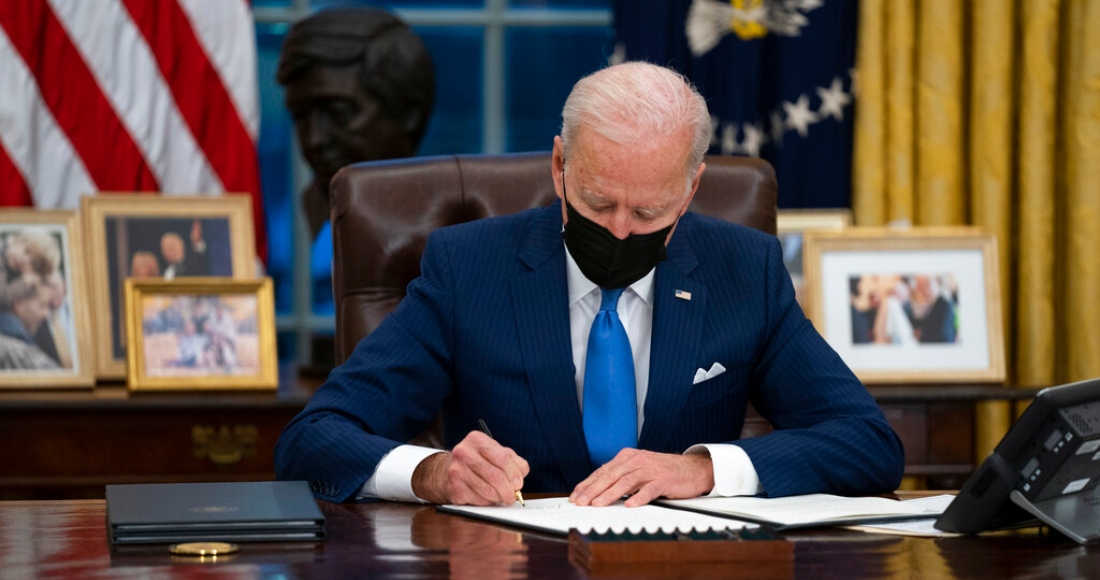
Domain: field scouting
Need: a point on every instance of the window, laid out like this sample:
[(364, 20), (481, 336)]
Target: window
[(503, 69)]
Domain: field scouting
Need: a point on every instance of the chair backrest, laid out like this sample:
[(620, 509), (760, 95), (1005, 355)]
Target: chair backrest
[(383, 211)]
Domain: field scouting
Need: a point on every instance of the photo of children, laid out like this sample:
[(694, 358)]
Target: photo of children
[(200, 335)]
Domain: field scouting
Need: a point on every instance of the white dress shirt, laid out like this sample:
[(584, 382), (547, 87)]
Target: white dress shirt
[(734, 473)]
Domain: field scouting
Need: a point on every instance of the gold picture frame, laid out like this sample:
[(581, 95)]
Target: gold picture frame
[(43, 286), (918, 305), (790, 225), (125, 236), (200, 334), (801, 220)]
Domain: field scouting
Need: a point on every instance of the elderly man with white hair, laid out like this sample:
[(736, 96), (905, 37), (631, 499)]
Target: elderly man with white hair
[(569, 330)]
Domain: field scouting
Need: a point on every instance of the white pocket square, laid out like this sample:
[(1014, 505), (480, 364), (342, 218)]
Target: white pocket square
[(701, 375)]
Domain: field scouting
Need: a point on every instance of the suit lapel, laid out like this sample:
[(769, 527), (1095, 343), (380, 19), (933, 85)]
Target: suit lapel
[(676, 339), (541, 302)]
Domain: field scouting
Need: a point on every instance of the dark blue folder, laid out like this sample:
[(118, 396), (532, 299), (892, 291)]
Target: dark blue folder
[(164, 513)]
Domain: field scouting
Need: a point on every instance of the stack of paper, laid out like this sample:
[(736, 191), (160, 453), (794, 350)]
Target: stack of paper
[(558, 516), (803, 511)]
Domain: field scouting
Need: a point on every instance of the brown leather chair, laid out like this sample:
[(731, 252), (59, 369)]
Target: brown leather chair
[(382, 212)]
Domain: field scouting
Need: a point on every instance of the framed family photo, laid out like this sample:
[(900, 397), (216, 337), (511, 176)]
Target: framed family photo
[(790, 226), (200, 333), (158, 237), (44, 310), (920, 305)]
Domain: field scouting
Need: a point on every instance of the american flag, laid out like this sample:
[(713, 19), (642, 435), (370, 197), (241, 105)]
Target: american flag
[(127, 95)]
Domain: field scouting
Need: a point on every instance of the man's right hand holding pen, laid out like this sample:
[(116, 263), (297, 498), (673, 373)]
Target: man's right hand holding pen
[(478, 471)]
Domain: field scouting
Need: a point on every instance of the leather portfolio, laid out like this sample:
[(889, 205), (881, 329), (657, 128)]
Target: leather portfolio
[(165, 513)]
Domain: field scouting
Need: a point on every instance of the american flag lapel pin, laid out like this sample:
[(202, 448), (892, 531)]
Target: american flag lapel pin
[(683, 295)]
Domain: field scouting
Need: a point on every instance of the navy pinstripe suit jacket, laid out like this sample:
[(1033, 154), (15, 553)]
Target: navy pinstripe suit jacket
[(484, 333)]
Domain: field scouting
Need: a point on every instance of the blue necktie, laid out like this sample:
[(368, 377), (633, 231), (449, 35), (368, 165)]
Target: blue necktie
[(610, 396)]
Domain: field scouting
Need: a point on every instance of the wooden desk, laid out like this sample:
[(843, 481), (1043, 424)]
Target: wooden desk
[(69, 444), (68, 540), (936, 424), (938, 427)]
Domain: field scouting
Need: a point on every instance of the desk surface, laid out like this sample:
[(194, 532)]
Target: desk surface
[(67, 539)]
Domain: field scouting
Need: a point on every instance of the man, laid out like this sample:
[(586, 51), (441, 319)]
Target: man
[(360, 87), (930, 313), (177, 260), (497, 329), (144, 264)]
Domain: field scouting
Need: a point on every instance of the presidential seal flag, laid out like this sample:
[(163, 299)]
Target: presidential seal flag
[(777, 75), (127, 95)]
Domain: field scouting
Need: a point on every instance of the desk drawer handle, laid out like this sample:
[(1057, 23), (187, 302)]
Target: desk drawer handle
[(225, 445)]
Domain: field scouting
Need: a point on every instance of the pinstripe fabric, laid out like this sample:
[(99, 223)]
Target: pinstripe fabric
[(484, 332)]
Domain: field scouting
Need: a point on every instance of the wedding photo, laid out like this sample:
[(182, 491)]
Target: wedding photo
[(897, 309), (920, 305)]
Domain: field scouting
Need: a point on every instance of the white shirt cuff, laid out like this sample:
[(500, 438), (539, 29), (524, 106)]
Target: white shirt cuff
[(392, 479), (734, 473)]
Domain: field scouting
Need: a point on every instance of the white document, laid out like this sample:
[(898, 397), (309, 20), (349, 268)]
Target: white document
[(806, 510), (923, 527), (557, 516)]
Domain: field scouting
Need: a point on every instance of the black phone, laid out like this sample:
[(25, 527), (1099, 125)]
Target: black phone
[(1045, 469)]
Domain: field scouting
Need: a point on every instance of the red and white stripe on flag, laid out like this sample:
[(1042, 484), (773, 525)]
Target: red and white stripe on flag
[(127, 95)]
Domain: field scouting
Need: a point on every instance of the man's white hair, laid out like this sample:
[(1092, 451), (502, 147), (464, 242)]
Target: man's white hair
[(637, 102)]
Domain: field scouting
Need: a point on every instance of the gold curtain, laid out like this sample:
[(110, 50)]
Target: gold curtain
[(987, 113)]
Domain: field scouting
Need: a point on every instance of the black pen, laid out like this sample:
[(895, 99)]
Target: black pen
[(485, 430)]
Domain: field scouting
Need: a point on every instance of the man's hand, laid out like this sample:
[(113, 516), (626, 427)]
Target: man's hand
[(478, 471), (645, 476), (196, 232)]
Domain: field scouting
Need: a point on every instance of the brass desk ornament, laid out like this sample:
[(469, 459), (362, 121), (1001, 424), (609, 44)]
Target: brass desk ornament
[(202, 549)]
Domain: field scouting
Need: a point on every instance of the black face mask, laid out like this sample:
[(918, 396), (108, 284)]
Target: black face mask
[(607, 260)]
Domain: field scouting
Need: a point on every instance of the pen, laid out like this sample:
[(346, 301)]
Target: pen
[(485, 430)]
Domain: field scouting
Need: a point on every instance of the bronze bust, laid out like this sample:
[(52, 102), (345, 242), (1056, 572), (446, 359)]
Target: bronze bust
[(360, 86)]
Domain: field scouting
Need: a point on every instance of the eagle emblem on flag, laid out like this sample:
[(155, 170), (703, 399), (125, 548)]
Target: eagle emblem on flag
[(710, 20)]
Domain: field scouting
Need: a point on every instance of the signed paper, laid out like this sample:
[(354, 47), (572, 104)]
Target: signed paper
[(558, 516)]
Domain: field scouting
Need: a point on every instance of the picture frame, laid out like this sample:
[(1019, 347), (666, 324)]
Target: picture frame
[(919, 305), (44, 306), (125, 235), (790, 226), (200, 334)]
